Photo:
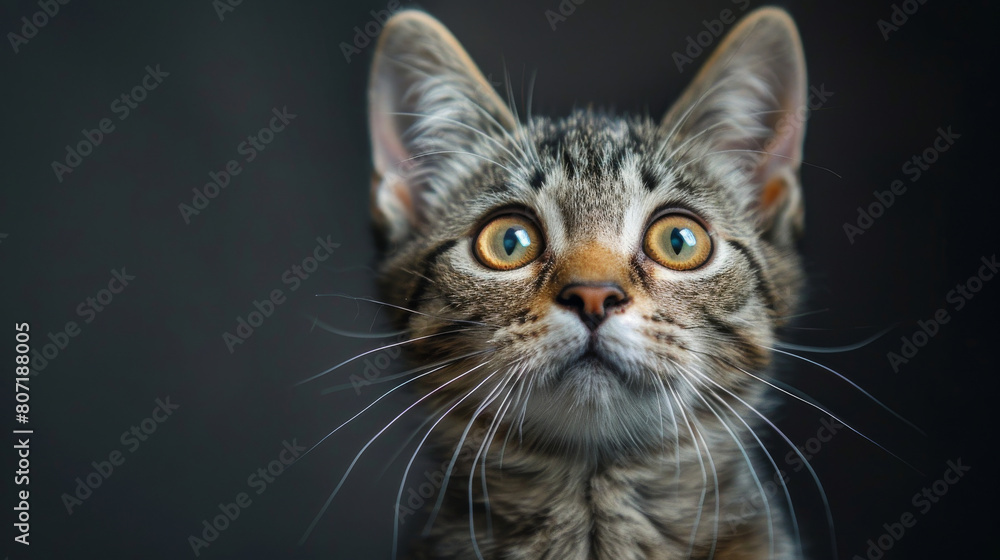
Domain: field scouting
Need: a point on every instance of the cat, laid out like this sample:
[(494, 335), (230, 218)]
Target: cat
[(592, 299)]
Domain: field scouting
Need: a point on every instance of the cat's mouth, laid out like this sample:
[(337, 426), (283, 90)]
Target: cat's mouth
[(590, 363), (591, 354)]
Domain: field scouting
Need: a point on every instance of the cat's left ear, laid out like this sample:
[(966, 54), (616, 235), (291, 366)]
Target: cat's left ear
[(744, 114), (429, 109)]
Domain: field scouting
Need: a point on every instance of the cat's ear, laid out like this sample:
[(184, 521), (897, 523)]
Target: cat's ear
[(744, 114), (427, 102)]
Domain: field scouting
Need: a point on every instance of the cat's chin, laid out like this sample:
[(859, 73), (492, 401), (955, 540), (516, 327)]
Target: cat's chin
[(594, 380), (591, 406), (591, 372)]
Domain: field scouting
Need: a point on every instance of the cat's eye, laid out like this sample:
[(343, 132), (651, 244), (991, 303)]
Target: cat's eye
[(508, 242), (678, 242)]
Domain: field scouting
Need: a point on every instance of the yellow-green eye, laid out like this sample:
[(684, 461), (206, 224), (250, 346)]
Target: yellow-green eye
[(678, 242), (508, 242)]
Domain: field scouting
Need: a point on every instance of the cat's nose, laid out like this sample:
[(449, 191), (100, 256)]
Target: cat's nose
[(592, 301)]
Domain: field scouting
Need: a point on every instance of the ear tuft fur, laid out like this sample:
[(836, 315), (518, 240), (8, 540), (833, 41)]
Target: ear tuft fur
[(741, 117), (427, 101)]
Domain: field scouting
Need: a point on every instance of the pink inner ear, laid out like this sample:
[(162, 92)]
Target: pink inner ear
[(387, 144), (404, 197), (784, 151), (773, 193)]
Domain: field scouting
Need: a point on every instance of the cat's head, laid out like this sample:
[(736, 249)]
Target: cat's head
[(586, 273)]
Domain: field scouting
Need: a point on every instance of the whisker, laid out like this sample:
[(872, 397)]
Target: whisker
[(460, 152), (492, 436), (362, 411), (373, 350), (687, 114), (399, 495), (531, 94), (719, 84), (412, 436), (419, 275), (524, 412), (496, 142), (510, 427), (401, 308), (704, 473), (472, 469), (525, 144), (834, 349), (715, 482), (351, 334), (810, 403), (676, 431), (852, 384), (402, 374), (753, 471), (805, 462), (464, 97), (329, 500), (807, 313), (484, 451), (782, 156), (451, 464), (659, 415), (688, 141)]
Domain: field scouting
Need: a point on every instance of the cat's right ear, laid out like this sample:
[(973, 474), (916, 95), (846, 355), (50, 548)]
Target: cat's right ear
[(427, 102), (743, 116)]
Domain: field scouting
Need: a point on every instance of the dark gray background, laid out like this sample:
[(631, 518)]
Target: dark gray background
[(163, 335)]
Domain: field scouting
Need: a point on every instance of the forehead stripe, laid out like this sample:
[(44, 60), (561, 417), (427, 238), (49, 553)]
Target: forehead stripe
[(763, 285), (429, 261)]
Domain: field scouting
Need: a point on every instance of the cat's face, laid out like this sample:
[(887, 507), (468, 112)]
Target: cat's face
[(585, 274)]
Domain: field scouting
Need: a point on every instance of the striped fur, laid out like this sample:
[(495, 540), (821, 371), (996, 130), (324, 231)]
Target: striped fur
[(638, 454)]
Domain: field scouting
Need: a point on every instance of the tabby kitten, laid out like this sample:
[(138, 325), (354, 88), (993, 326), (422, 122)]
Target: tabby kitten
[(592, 298)]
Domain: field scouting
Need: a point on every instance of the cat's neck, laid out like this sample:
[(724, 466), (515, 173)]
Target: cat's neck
[(653, 503)]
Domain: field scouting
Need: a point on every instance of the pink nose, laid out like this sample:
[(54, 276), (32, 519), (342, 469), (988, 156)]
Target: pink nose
[(591, 301)]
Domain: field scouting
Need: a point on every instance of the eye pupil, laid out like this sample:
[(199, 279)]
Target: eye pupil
[(676, 241), (510, 241), (514, 237)]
